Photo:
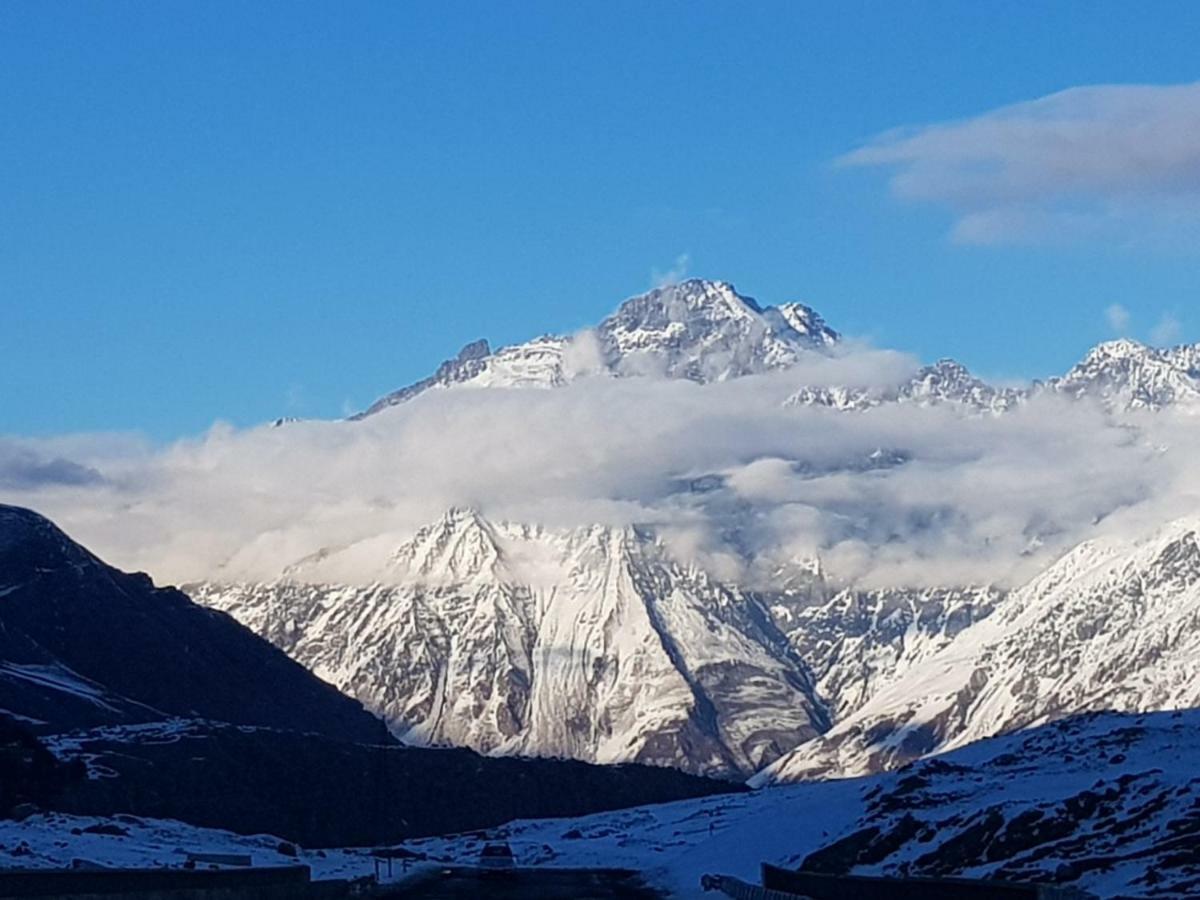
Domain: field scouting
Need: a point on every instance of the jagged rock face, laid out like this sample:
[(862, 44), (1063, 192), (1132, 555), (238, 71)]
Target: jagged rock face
[(84, 644), (699, 330), (1120, 375), (857, 641), (945, 382), (706, 331), (591, 643), (1112, 625), (1128, 375)]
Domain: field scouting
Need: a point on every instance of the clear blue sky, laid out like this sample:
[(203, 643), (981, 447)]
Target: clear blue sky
[(244, 210)]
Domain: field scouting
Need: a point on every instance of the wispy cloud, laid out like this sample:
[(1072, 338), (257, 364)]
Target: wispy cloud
[(674, 274), (1110, 160), (970, 499), (1118, 319), (1167, 331)]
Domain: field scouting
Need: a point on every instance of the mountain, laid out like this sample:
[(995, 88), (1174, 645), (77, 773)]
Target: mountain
[(1105, 803), (699, 330), (1114, 624), (449, 638), (592, 643), (84, 644), (1121, 376), (855, 641), (322, 792), (1127, 375), (946, 381), (119, 697)]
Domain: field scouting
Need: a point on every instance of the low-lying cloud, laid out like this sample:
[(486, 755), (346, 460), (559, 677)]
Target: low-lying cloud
[(1106, 160), (895, 495)]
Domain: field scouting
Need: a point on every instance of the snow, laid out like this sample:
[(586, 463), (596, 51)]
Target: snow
[(593, 643), (1121, 788), (58, 678), (699, 330), (1114, 624)]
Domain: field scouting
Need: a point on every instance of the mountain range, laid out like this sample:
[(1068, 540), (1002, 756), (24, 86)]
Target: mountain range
[(118, 697), (602, 643)]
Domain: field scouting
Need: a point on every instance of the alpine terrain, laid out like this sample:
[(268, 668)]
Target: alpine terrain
[(604, 644)]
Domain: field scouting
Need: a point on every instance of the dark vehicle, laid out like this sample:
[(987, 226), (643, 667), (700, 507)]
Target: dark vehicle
[(496, 856)]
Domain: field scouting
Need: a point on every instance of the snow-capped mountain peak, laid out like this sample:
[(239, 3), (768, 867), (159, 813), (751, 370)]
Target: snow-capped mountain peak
[(698, 330), (945, 382), (595, 643), (807, 321), (460, 544), (1128, 375)]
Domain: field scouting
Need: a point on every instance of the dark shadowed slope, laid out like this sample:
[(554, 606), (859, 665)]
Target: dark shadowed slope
[(83, 644)]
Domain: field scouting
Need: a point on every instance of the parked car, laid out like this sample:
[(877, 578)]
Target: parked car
[(496, 856)]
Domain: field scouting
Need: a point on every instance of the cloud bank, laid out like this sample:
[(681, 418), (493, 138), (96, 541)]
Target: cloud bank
[(898, 495), (1106, 160)]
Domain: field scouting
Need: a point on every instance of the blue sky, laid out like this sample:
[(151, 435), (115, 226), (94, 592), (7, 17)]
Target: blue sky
[(238, 211)]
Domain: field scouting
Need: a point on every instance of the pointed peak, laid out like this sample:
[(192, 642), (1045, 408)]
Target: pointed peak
[(462, 515), (807, 321), (29, 538), (1119, 349), (949, 364), (474, 350), (694, 295), (460, 543)]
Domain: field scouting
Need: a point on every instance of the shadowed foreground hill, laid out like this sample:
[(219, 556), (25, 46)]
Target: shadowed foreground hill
[(323, 793), (84, 644)]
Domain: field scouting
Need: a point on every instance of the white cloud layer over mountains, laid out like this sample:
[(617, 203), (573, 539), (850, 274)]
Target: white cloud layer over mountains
[(898, 494), (1107, 160)]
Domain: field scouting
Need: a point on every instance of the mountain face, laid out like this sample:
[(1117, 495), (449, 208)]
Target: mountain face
[(1128, 375), (705, 331), (1106, 802), (857, 641), (699, 330), (1111, 625), (945, 382), (592, 643), (83, 644), (119, 697)]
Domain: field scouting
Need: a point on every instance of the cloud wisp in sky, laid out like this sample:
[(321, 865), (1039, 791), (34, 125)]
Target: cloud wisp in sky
[(1113, 161), (898, 495)]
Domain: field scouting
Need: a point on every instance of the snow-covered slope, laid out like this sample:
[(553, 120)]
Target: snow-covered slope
[(1107, 803), (1112, 625), (700, 330), (855, 642), (1127, 375), (946, 381), (591, 643), (1119, 375)]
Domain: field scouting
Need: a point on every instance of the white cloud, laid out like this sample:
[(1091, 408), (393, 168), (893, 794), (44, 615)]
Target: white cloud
[(674, 274), (1166, 332), (1106, 160), (1118, 319), (723, 469)]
